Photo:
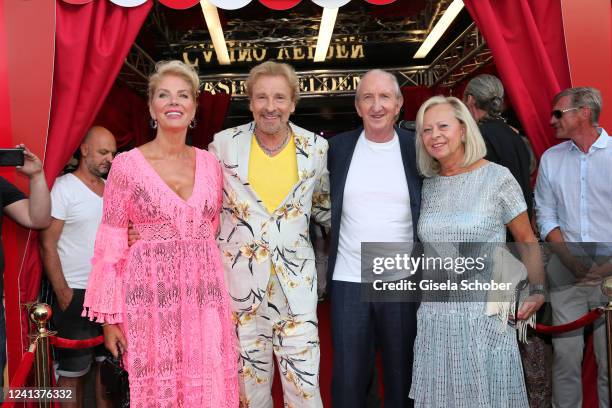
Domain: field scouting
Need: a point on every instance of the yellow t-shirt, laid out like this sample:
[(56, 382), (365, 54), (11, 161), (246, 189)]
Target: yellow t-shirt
[(272, 178)]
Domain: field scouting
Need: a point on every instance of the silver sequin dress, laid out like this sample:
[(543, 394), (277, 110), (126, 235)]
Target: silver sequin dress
[(462, 359)]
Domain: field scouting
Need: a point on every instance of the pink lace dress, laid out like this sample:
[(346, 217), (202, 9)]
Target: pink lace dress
[(167, 291)]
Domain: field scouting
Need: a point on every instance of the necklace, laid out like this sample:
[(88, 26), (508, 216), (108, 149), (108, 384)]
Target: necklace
[(271, 151)]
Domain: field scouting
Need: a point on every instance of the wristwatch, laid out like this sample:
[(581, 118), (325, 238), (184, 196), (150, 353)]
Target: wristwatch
[(538, 289)]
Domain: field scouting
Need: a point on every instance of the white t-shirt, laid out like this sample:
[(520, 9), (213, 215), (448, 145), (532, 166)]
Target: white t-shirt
[(81, 210), (376, 204)]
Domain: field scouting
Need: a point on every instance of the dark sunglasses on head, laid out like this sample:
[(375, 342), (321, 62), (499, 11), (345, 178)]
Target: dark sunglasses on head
[(558, 113)]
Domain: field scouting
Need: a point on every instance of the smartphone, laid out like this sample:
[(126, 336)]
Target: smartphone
[(11, 157)]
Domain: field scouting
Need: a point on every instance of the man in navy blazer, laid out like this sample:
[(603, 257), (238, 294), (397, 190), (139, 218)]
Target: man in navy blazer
[(375, 197)]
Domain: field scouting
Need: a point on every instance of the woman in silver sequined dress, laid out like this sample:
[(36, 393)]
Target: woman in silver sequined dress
[(462, 358)]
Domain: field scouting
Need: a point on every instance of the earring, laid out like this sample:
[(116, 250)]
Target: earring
[(153, 124), (193, 123)]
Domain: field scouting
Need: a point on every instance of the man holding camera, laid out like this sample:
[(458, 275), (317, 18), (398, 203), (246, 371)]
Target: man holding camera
[(33, 212)]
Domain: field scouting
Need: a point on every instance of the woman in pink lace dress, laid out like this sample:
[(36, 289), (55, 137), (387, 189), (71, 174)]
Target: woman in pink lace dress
[(163, 300)]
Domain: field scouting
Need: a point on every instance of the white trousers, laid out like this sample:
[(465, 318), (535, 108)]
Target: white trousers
[(272, 330)]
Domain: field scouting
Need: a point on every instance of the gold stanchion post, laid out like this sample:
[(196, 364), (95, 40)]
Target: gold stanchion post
[(606, 288), (40, 313)]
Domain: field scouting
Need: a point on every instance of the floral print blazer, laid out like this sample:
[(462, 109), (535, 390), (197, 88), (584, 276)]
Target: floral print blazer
[(252, 240)]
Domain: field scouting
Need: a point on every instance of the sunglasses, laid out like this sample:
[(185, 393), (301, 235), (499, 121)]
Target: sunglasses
[(558, 113)]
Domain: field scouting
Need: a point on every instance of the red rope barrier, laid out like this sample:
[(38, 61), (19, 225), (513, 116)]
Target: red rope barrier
[(22, 373), (27, 360), (76, 344), (567, 327)]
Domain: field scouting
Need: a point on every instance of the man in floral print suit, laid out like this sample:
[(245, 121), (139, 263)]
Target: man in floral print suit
[(275, 181)]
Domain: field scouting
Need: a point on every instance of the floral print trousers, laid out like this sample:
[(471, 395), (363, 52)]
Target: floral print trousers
[(273, 330)]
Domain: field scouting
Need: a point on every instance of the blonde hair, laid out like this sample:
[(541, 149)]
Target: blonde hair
[(272, 68), (176, 68), (474, 145)]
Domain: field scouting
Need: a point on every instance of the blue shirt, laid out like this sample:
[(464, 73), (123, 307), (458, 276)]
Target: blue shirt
[(574, 191)]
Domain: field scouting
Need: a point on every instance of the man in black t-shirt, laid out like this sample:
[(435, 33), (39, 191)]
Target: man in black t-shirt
[(33, 212)]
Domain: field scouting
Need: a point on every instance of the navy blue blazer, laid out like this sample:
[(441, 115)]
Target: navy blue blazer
[(339, 155)]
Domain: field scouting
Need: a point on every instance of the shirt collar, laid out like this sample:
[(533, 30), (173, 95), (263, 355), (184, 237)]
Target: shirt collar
[(602, 140), (600, 143)]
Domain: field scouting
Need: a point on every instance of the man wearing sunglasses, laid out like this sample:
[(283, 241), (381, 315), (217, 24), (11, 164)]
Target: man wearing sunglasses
[(573, 197)]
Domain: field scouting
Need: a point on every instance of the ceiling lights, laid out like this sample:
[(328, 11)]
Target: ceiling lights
[(328, 20), (211, 15), (440, 28)]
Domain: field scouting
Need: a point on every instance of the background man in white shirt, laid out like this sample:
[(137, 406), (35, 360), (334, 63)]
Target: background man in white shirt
[(67, 248), (573, 197)]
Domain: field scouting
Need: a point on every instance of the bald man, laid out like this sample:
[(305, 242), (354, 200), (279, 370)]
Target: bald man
[(375, 194), (67, 248)]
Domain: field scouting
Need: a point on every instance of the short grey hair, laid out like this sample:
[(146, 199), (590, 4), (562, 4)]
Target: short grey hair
[(583, 96), (396, 87), (475, 148), (488, 93)]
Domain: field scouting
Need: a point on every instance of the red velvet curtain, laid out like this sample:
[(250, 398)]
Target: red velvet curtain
[(210, 116), (126, 115), (527, 42), (92, 41), (414, 96)]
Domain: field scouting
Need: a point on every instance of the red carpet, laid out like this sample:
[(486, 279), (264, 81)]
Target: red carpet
[(589, 374)]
